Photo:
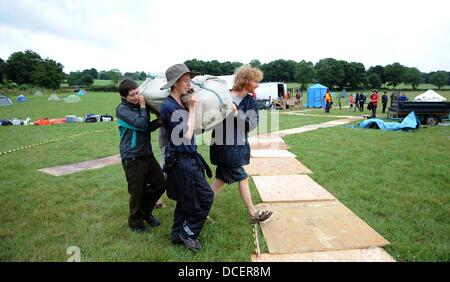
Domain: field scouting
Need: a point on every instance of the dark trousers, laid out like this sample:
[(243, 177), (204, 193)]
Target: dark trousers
[(146, 184), (361, 107), (374, 111), (384, 107), (327, 107), (190, 214)]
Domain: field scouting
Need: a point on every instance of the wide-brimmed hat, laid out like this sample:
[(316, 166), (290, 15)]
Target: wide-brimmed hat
[(174, 73)]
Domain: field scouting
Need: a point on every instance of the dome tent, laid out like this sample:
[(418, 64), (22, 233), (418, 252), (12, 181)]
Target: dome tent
[(315, 96), (72, 99), (38, 93), (5, 100), (81, 92), (21, 98), (54, 97), (343, 94)]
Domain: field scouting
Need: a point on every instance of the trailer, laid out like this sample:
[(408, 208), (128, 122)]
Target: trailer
[(430, 113)]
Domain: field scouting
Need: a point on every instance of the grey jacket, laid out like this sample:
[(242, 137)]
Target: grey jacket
[(140, 119)]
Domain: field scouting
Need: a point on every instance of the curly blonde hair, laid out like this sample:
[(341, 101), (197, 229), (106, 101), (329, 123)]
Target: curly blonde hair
[(244, 75)]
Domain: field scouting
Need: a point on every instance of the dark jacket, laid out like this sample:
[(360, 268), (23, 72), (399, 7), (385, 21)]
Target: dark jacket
[(229, 146), (138, 118)]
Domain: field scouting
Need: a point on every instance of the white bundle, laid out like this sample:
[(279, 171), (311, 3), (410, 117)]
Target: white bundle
[(214, 98)]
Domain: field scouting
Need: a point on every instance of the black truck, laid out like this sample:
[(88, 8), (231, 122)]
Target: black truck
[(430, 113)]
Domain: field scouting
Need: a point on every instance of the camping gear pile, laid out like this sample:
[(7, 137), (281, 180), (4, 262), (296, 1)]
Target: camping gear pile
[(215, 101), (89, 118)]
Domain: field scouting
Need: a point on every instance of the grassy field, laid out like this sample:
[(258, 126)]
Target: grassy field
[(397, 182), (406, 200)]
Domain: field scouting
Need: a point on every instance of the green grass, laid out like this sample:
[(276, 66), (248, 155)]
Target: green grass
[(397, 182), (406, 199)]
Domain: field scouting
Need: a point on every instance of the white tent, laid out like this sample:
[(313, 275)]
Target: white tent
[(54, 97), (72, 99), (429, 96), (38, 93)]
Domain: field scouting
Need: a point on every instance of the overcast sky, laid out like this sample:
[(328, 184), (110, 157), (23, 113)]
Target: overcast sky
[(144, 35)]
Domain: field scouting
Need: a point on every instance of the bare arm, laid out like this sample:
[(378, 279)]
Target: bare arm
[(192, 105)]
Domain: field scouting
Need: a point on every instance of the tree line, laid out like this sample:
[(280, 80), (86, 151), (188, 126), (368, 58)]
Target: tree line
[(336, 74), (29, 68)]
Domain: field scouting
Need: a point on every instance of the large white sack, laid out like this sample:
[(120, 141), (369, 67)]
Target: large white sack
[(215, 101)]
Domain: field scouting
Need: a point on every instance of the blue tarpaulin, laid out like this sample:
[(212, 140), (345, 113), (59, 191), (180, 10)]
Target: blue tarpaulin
[(409, 122)]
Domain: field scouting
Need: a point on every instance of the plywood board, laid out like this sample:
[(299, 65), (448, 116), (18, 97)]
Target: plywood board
[(271, 146), (290, 188), (77, 167), (373, 254), (268, 153), (265, 139), (275, 166), (316, 227)]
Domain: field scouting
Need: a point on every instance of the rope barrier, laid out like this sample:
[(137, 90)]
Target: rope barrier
[(52, 141), (256, 240)]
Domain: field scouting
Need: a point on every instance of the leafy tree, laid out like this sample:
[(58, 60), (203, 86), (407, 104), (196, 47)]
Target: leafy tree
[(374, 80), (143, 75), (255, 63), (80, 79), (195, 65), (330, 72), (21, 65), (48, 74), (115, 75), (93, 72), (379, 70), (304, 73), (355, 75), (412, 76), (103, 75), (279, 70), (439, 79), (2, 70), (393, 74)]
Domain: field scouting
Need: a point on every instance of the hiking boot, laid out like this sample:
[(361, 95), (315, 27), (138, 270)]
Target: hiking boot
[(177, 241), (191, 244), (151, 220), (140, 230)]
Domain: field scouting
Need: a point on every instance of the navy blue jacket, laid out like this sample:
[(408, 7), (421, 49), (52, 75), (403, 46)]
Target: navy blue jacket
[(140, 119), (229, 146)]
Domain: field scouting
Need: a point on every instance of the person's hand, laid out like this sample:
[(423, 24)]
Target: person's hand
[(234, 110), (141, 101), (192, 102)]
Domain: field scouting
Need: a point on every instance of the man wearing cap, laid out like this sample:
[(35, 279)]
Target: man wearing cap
[(145, 178), (184, 166)]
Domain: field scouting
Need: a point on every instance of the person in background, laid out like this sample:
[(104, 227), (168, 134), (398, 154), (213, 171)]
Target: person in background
[(384, 101), (356, 102), (327, 101), (350, 101), (374, 101), (362, 99)]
